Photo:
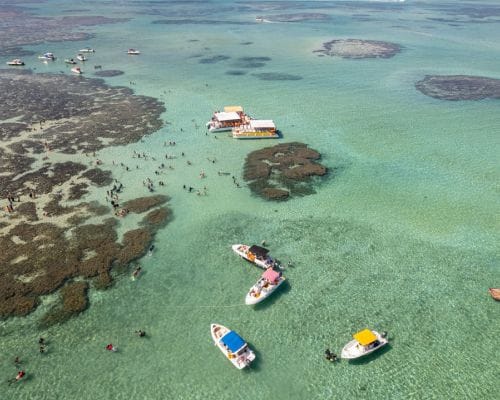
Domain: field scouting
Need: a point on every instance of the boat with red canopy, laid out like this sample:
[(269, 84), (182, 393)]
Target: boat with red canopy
[(265, 286)]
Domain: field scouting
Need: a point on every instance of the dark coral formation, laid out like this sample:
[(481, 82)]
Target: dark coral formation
[(235, 72), (299, 17), (20, 27), (282, 171), (459, 87), (143, 204), (91, 110), (156, 218), (358, 49), (277, 76), (56, 114), (251, 62), (213, 59), (107, 73)]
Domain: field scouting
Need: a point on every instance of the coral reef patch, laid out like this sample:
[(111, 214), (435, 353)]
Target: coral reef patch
[(47, 245), (282, 171), (108, 73), (459, 87), (359, 49)]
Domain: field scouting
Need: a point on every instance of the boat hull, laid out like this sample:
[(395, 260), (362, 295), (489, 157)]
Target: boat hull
[(495, 293), (218, 331), (354, 350)]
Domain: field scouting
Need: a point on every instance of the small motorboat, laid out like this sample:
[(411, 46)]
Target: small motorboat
[(365, 342), (15, 62), (81, 57), (265, 286), (87, 50), (69, 61), (255, 254), (495, 293), (76, 70), (47, 57), (232, 346), (133, 52)]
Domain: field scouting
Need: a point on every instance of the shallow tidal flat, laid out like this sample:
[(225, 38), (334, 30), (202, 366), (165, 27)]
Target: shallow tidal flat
[(50, 235)]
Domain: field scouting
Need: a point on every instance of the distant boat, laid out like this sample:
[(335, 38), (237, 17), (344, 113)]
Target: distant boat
[(232, 346), (255, 254), (265, 286), (47, 57), (133, 52), (87, 50), (365, 342), (15, 62), (231, 117), (495, 293), (69, 61), (76, 70), (81, 57)]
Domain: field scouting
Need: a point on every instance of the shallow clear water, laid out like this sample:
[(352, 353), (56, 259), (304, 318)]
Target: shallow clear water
[(402, 236)]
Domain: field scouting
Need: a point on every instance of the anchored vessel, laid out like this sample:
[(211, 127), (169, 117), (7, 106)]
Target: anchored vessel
[(47, 57), (15, 62), (76, 70), (265, 286), (256, 129), (81, 57), (87, 50), (231, 117), (69, 61), (364, 343), (232, 346), (255, 254), (133, 52)]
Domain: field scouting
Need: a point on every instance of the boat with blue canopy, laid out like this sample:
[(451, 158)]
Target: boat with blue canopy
[(232, 346)]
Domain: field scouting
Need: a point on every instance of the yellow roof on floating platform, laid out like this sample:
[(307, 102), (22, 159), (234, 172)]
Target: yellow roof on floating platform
[(233, 109), (365, 337)]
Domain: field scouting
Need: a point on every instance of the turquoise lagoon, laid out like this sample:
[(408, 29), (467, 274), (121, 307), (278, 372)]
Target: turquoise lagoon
[(401, 236)]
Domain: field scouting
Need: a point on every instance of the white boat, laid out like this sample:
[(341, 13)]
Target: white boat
[(15, 62), (69, 61), (231, 117), (256, 129), (365, 342), (76, 70), (133, 52), (255, 254), (232, 346), (87, 50), (47, 57), (81, 57), (265, 286)]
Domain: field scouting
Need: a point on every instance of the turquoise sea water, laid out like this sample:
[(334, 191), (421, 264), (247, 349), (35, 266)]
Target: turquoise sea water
[(401, 236)]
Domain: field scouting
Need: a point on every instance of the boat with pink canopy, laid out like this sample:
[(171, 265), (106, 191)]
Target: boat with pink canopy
[(265, 286)]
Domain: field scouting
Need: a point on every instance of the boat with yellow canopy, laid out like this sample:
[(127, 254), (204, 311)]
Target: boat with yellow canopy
[(365, 342)]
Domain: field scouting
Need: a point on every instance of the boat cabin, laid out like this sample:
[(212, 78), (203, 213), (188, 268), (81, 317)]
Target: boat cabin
[(234, 343), (256, 129), (259, 252), (366, 338)]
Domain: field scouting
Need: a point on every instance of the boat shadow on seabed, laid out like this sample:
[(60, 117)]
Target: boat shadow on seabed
[(280, 291), (371, 357), (254, 366)]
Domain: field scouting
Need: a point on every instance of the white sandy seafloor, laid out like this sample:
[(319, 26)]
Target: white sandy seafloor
[(402, 235)]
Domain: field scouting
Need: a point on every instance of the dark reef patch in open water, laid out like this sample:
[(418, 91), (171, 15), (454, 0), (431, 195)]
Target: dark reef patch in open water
[(107, 73), (277, 76), (213, 59), (459, 87), (200, 22), (250, 62), (235, 72), (282, 171)]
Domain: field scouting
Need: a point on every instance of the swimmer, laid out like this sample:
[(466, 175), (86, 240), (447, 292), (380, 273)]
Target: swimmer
[(140, 333), (137, 272), (110, 347), (20, 375)]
